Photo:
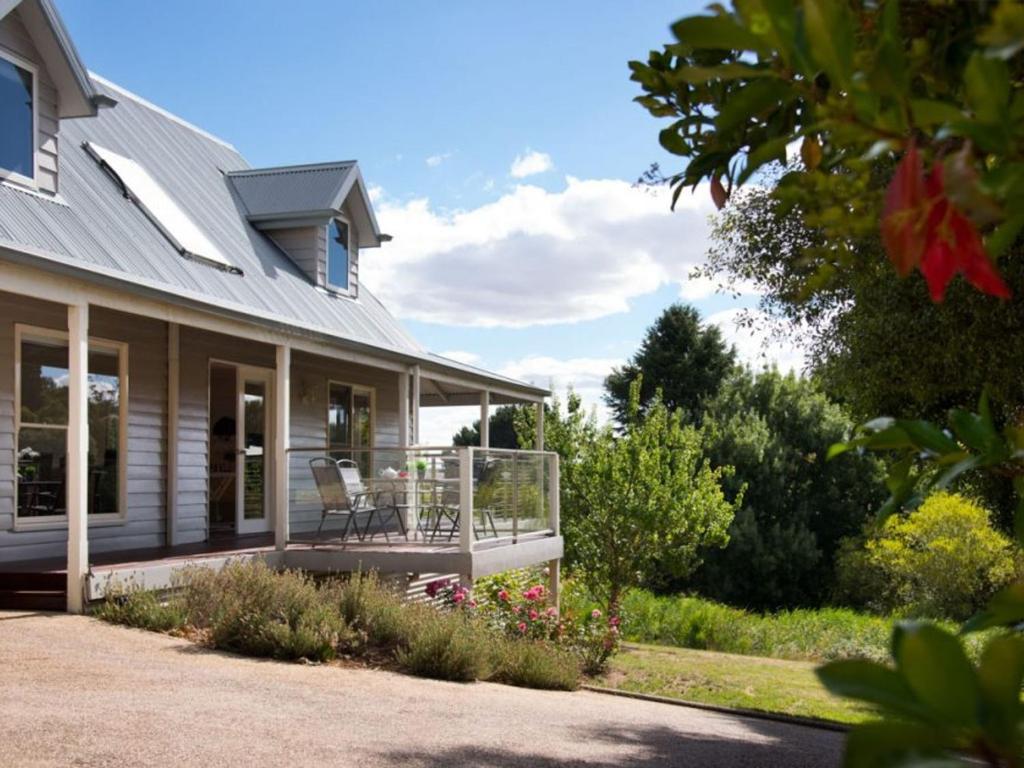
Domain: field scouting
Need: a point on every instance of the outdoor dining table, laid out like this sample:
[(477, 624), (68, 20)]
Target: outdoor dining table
[(421, 494)]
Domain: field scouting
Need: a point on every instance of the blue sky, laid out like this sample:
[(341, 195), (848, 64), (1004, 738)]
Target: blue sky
[(500, 142)]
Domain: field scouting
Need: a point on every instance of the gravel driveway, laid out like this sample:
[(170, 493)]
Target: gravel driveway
[(75, 691)]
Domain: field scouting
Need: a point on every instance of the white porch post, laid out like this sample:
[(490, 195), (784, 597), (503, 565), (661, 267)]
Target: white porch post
[(466, 499), (403, 409), (485, 419), (554, 510), (173, 409), (540, 426), (282, 430), (78, 455), (416, 405)]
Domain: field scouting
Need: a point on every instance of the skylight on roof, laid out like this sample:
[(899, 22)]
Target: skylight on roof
[(159, 207)]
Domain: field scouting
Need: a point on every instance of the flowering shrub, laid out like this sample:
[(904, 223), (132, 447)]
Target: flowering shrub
[(451, 595), (589, 635)]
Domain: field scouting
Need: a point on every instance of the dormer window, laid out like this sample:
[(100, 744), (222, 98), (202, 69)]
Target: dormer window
[(17, 119), (338, 255)]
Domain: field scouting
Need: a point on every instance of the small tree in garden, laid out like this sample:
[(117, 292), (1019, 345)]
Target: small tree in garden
[(645, 500), (910, 123)]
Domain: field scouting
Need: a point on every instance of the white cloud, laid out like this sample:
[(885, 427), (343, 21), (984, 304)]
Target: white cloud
[(534, 257), (755, 344), (530, 163), (435, 160)]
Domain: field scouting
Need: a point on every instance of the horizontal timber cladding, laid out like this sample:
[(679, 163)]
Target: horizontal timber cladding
[(309, 378), (145, 449), (144, 522)]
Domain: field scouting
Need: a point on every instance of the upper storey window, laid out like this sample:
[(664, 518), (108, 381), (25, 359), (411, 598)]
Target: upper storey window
[(17, 119), (337, 255)]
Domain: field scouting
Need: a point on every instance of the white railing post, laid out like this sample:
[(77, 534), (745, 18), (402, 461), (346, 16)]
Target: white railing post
[(466, 499), (282, 413), (554, 498), (554, 566), (77, 497)]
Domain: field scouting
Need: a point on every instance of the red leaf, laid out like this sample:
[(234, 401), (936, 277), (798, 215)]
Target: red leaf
[(718, 193), (974, 262), (902, 216)]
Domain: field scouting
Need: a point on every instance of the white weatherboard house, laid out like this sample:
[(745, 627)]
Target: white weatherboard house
[(181, 335)]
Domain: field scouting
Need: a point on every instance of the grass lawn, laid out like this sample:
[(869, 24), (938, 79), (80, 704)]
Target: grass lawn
[(725, 679)]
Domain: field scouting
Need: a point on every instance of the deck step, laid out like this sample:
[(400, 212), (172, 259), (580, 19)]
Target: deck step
[(32, 581), (33, 601)]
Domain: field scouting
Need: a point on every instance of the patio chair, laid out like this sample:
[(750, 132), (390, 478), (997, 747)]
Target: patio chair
[(356, 490), (342, 494)]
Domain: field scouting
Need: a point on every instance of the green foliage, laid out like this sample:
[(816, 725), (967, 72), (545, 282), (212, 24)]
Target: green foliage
[(796, 507), (936, 700), (529, 664), (447, 647), (680, 357), (503, 430), (642, 503), (801, 634), (134, 607), (251, 609), (854, 82), (943, 560)]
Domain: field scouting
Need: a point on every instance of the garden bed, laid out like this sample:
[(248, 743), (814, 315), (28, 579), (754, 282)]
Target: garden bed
[(248, 608)]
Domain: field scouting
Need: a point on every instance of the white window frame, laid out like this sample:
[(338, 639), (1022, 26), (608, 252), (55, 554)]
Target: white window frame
[(32, 69), (353, 387), (30, 333), (347, 289)]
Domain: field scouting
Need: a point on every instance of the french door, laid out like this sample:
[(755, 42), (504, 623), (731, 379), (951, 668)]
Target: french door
[(254, 458)]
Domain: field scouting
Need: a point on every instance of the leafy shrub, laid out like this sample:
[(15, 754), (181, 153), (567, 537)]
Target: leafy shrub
[(135, 607), (447, 647), (248, 608), (374, 610), (278, 614), (535, 665), (942, 560)]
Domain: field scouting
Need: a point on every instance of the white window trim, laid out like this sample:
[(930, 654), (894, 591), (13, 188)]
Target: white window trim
[(31, 332), (353, 387), (337, 289), (12, 176)]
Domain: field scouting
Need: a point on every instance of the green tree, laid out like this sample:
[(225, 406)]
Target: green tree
[(503, 430), (944, 561), (642, 501), (932, 89), (680, 357), (796, 507)]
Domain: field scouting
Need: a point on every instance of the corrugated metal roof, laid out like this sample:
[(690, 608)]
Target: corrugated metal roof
[(293, 189), (93, 223), (91, 226)]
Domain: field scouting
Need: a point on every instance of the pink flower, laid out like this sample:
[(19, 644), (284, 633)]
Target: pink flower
[(595, 614), (516, 609), (503, 596), (552, 611), (614, 630), (614, 621), (533, 615), (472, 603), (458, 597), (522, 626), (534, 593)]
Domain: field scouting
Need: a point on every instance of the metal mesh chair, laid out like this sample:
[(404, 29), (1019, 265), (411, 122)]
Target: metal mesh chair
[(343, 494)]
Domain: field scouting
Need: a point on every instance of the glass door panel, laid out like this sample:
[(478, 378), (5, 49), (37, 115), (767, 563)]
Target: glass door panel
[(254, 440)]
